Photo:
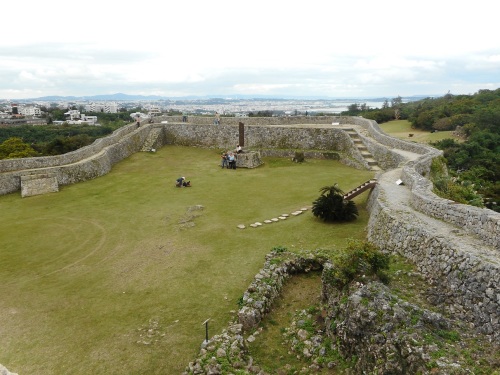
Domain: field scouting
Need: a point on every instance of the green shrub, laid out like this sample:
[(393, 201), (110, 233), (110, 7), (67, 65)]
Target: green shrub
[(331, 205), (279, 249), (360, 259), (299, 157)]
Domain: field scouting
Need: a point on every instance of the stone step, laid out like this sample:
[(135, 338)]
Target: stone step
[(151, 139)]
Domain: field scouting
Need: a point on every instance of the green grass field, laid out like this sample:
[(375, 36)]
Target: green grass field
[(402, 129), (116, 275)]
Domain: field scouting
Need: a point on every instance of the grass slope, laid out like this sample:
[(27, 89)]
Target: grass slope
[(402, 129), (117, 274)]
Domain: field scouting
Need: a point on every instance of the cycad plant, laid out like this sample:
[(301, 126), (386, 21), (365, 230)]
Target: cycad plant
[(331, 205)]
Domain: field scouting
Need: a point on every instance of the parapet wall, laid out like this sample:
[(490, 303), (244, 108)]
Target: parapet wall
[(464, 278), (483, 223), (465, 282), (477, 221), (267, 121), (98, 158), (84, 164)]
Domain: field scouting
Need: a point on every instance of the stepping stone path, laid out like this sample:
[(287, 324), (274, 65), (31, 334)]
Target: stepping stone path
[(274, 219)]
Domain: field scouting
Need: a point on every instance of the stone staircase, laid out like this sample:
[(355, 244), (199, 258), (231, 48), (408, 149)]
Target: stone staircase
[(370, 184), (152, 139), (363, 150)]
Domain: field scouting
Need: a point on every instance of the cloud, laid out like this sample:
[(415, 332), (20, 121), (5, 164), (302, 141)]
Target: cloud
[(316, 48)]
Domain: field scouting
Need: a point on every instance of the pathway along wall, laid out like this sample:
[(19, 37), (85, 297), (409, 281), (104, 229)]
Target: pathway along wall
[(461, 278)]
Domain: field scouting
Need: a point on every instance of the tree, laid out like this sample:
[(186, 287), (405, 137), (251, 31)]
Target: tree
[(331, 205), (16, 148), (396, 105)]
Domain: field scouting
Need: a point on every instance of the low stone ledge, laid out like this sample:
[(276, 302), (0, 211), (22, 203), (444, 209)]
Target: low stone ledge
[(248, 159), (37, 184), (268, 283)]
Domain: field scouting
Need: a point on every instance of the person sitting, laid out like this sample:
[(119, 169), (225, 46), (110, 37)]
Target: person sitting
[(186, 184), (239, 150), (179, 181)]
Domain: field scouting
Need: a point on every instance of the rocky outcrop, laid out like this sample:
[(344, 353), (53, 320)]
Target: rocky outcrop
[(4, 371), (384, 333)]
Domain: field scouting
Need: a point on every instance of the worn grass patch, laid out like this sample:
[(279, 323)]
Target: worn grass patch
[(402, 129), (300, 292), (117, 274)]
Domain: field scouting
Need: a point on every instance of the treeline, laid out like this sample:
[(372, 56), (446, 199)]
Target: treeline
[(26, 140), (473, 163)]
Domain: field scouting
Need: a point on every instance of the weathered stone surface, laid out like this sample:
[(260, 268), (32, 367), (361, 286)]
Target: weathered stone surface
[(4, 371), (37, 184)]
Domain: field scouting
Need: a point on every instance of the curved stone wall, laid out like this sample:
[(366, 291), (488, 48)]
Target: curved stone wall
[(100, 144), (480, 222), (84, 164), (465, 275)]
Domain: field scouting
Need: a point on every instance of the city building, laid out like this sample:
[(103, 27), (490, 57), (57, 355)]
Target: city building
[(102, 107)]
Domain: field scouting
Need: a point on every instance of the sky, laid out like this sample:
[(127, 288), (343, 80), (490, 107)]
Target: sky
[(274, 48)]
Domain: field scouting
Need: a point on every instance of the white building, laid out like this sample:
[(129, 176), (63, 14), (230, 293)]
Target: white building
[(153, 110), (75, 118), (30, 111), (102, 107)]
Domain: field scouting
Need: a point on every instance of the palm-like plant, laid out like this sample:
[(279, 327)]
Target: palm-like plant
[(331, 205)]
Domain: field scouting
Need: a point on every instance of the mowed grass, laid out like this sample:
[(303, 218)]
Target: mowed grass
[(402, 129), (116, 275)]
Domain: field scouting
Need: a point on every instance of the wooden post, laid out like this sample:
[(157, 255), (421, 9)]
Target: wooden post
[(241, 133)]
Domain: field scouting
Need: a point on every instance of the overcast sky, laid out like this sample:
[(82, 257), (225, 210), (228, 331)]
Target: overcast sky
[(324, 48)]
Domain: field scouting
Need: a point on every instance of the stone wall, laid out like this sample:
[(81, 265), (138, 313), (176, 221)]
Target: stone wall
[(267, 121), (464, 279), (266, 287), (463, 276), (257, 137), (477, 221), (37, 184), (285, 136), (480, 222), (84, 164), (100, 144)]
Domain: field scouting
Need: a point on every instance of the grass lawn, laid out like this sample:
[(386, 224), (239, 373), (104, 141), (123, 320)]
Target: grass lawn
[(116, 275), (402, 129)]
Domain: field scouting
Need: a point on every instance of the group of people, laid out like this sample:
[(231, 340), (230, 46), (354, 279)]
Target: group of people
[(181, 182), (228, 158)]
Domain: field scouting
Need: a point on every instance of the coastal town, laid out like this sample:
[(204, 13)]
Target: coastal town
[(85, 111)]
